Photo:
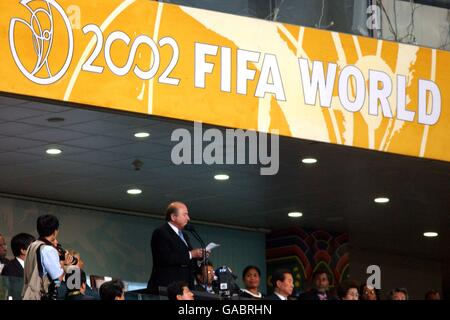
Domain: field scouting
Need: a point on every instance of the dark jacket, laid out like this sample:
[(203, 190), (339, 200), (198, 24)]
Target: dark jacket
[(78, 296), (313, 295), (171, 260), (273, 296), (13, 269), (201, 288)]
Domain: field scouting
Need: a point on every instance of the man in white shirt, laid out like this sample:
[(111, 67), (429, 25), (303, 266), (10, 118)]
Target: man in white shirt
[(19, 245), (43, 256)]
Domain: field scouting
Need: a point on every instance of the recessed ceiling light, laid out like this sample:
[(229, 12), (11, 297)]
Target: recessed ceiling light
[(430, 234), (141, 135), (381, 200), (53, 151), (134, 191), (295, 214), (221, 177), (309, 160), (56, 119)]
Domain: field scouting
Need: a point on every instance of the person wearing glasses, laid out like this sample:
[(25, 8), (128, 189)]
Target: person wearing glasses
[(204, 277), (369, 293)]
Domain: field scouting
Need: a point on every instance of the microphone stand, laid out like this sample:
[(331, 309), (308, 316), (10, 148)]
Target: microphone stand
[(204, 262)]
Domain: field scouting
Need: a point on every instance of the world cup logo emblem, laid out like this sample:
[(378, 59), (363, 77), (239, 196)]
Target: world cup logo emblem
[(42, 47)]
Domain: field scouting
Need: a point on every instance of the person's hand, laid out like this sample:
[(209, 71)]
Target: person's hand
[(197, 253)]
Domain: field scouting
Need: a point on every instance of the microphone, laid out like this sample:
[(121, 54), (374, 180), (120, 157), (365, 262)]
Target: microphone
[(189, 227)]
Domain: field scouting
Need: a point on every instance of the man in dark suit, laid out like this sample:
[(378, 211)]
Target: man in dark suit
[(19, 246), (283, 285), (173, 256), (204, 278), (321, 285)]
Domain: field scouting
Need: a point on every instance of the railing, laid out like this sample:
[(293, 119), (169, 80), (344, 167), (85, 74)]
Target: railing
[(418, 22)]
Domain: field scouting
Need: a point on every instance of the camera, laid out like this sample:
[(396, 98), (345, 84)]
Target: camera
[(226, 281), (62, 254)]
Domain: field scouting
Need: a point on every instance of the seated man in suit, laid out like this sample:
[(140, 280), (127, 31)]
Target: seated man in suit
[(320, 290), (283, 284), (173, 256), (204, 277), (19, 245)]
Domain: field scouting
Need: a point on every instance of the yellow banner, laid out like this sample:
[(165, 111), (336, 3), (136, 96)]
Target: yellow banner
[(191, 64)]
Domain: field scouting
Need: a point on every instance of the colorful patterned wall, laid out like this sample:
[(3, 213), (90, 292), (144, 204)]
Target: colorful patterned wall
[(304, 251)]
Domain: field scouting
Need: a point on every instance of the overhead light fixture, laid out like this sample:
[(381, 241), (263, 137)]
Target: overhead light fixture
[(221, 177), (430, 234), (295, 214), (381, 200), (134, 191), (141, 135), (53, 151), (309, 160)]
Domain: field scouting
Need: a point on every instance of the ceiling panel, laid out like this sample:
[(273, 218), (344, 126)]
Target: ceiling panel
[(14, 143), (49, 107), (53, 135), (141, 149), (71, 117), (8, 101), (14, 158), (147, 163), (96, 157), (17, 128), (67, 150), (103, 127), (97, 142), (14, 113)]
